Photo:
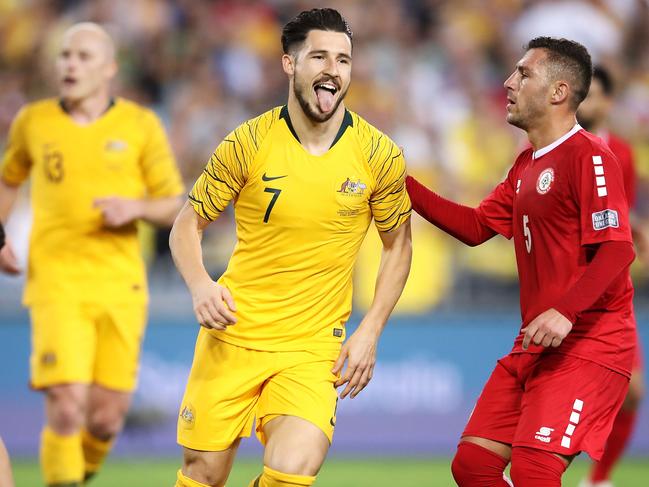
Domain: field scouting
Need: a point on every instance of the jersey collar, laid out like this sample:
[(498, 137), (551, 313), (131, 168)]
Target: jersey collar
[(543, 151), (111, 104), (348, 121)]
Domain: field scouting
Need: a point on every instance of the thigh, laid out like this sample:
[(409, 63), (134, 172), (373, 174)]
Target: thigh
[(294, 445), (120, 329), (569, 406), (63, 344), (222, 392), (303, 387), (496, 413)]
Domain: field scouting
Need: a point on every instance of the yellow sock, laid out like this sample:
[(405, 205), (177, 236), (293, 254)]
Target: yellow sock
[(94, 452), (273, 478), (183, 481), (61, 458)]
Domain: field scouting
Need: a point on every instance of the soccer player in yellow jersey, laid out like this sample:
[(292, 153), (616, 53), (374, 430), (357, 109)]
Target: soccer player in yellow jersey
[(97, 165), (305, 180)]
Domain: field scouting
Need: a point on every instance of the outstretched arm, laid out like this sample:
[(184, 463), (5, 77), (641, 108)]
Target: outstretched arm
[(459, 221), (360, 349)]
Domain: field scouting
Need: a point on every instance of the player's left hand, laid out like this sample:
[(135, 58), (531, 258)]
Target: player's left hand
[(360, 353), (547, 329), (117, 211)]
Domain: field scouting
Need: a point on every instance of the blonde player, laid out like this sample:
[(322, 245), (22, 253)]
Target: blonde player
[(98, 165), (306, 180)]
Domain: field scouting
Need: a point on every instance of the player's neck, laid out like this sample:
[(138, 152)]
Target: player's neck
[(86, 110), (315, 137), (546, 132)]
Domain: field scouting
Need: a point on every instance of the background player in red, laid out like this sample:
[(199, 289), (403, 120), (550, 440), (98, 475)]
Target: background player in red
[(593, 115), (558, 391)]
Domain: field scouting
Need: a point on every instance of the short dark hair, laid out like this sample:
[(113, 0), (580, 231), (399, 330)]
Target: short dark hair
[(571, 58), (603, 75), (296, 31)]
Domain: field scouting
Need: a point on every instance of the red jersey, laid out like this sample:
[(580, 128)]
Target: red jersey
[(556, 203), (624, 154)]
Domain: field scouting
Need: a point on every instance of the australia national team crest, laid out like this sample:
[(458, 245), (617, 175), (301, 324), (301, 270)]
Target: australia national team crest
[(544, 183), (352, 187)]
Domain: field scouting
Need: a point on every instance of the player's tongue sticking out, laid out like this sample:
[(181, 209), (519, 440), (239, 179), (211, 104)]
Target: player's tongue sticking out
[(325, 98)]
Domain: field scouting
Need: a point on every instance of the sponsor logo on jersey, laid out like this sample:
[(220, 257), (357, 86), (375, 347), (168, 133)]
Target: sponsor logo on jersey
[(545, 181), (188, 416), (543, 434), (115, 146), (605, 219), (351, 187)]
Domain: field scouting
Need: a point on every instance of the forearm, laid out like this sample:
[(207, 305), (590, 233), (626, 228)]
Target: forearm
[(185, 245), (457, 220), (160, 211), (391, 279), (8, 196), (610, 260)]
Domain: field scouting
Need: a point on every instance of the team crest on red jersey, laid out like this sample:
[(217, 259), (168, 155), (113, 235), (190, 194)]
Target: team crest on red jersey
[(545, 181)]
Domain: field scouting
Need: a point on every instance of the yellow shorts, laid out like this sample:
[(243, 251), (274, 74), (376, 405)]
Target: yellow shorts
[(85, 343), (229, 386)]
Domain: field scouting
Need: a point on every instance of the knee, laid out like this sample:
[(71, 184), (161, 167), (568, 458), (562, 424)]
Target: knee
[(106, 421), (477, 466), (536, 468), (65, 409), (197, 467), (297, 463)]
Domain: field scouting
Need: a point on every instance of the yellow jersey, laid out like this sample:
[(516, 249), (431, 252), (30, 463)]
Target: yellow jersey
[(300, 220), (124, 153)]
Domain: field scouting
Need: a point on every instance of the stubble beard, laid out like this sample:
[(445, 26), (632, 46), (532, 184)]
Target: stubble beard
[(313, 115)]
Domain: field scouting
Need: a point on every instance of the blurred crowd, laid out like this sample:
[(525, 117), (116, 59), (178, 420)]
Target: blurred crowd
[(427, 72)]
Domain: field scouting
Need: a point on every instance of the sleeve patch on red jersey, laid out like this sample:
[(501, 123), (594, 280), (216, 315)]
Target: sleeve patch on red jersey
[(605, 219)]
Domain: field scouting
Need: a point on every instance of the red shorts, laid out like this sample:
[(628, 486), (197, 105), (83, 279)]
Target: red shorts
[(550, 402)]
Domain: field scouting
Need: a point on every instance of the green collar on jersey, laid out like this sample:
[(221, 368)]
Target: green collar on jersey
[(348, 121)]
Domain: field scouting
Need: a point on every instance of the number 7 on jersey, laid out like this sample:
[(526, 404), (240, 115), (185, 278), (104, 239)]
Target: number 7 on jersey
[(276, 193)]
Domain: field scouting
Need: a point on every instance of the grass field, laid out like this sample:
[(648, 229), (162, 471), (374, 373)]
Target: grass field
[(337, 472)]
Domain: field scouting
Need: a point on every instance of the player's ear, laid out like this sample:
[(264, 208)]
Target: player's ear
[(288, 64), (560, 92)]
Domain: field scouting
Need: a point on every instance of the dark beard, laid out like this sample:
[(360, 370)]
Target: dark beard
[(310, 113)]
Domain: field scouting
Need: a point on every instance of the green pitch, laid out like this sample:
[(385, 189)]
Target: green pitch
[(337, 472)]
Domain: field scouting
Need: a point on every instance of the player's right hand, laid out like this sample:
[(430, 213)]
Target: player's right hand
[(213, 305), (8, 260)]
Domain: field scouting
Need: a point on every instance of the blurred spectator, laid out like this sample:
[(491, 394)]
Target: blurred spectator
[(430, 72)]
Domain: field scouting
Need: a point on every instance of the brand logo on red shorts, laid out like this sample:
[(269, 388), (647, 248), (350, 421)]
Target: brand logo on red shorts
[(543, 434)]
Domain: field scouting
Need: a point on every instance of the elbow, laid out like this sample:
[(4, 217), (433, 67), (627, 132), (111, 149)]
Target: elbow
[(174, 210)]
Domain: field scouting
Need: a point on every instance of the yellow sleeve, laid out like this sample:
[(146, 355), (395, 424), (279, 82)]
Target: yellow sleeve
[(226, 172), (159, 169), (16, 163), (389, 202)]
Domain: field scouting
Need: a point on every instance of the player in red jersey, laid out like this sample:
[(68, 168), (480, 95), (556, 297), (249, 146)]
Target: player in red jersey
[(558, 391), (593, 115)]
